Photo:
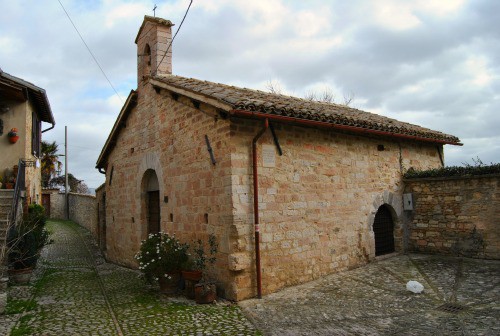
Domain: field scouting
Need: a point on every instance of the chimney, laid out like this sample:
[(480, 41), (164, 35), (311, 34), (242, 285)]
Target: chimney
[(152, 41)]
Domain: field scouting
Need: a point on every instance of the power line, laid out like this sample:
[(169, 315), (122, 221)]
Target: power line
[(90, 51), (171, 41)]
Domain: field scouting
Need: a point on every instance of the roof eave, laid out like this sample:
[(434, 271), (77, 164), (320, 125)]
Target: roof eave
[(119, 123), (41, 100), (217, 103), (353, 129)]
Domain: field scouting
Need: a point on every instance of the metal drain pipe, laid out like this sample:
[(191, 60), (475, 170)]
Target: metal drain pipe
[(256, 206)]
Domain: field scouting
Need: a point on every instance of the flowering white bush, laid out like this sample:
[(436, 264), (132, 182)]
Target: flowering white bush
[(161, 254)]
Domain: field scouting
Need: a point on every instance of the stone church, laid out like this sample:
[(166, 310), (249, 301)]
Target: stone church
[(293, 189)]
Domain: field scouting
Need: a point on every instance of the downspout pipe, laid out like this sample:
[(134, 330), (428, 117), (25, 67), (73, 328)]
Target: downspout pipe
[(48, 129), (256, 206)]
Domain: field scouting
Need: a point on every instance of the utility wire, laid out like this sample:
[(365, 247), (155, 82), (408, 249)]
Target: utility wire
[(171, 41), (90, 51)]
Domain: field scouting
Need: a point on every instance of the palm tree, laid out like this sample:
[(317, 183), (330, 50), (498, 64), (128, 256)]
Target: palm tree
[(50, 162)]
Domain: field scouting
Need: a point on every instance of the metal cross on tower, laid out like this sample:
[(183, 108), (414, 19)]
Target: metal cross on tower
[(154, 11)]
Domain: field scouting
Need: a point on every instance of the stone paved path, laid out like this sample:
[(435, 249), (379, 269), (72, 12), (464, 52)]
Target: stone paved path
[(77, 293), (373, 300)]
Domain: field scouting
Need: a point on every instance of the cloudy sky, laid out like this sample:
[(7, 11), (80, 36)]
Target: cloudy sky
[(432, 63)]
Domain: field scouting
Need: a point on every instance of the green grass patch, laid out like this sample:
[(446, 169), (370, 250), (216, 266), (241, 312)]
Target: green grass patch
[(23, 328), (42, 281), (19, 306)]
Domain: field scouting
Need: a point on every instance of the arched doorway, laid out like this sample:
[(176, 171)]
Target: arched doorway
[(152, 195), (383, 228)]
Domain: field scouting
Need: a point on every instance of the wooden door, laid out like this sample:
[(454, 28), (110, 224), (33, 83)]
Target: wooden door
[(153, 211), (46, 204)]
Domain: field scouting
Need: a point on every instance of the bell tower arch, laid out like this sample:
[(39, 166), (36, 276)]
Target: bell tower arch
[(152, 41)]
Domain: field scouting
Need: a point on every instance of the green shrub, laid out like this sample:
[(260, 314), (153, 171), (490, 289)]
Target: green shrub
[(479, 168), (161, 254), (27, 238)]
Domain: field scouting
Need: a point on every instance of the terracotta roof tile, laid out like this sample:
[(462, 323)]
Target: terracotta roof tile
[(274, 104)]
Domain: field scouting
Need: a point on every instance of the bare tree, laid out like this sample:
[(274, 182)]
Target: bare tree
[(274, 86), (325, 96), (348, 98)]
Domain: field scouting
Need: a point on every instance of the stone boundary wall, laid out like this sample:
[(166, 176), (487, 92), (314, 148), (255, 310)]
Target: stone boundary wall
[(57, 206), (82, 209), (455, 215)]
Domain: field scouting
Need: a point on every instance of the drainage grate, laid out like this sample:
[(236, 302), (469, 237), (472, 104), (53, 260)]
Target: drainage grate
[(453, 308)]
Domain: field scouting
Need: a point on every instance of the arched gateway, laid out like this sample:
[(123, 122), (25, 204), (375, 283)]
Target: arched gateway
[(383, 228)]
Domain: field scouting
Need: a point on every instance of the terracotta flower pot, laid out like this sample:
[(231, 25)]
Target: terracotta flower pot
[(192, 275), (13, 139), (191, 278), (205, 292), (169, 285), (20, 276), (13, 136)]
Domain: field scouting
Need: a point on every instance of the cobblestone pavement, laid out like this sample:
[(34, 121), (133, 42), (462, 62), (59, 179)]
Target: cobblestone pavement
[(75, 292), (373, 300)]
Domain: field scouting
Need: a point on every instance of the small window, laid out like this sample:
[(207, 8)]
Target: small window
[(147, 55)]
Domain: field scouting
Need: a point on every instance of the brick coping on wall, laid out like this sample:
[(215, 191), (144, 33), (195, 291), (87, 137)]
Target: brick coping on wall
[(85, 195), (449, 178)]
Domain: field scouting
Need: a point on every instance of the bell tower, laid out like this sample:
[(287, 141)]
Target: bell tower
[(152, 41)]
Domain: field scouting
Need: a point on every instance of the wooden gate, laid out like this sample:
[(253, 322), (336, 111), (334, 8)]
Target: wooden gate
[(46, 204)]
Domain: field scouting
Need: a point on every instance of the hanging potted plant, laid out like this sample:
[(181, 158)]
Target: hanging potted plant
[(160, 259), (13, 135)]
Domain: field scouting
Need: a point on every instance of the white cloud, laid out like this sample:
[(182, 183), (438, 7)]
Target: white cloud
[(402, 15), (124, 11), (477, 69), (431, 63)]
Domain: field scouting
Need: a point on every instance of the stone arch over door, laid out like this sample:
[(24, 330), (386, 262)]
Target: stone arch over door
[(150, 186), (386, 207)]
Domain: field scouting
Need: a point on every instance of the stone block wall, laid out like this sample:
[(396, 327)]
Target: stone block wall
[(458, 216), (165, 134), (83, 211), (317, 201), (57, 206)]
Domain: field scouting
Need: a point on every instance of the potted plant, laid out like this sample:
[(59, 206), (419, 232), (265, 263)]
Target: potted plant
[(9, 179), (24, 243), (13, 135), (193, 270), (205, 291), (160, 258)]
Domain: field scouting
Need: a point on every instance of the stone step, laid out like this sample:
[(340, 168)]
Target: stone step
[(7, 192), (5, 200), (3, 230), (5, 208)]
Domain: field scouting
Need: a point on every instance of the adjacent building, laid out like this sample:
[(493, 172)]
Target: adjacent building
[(24, 108)]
